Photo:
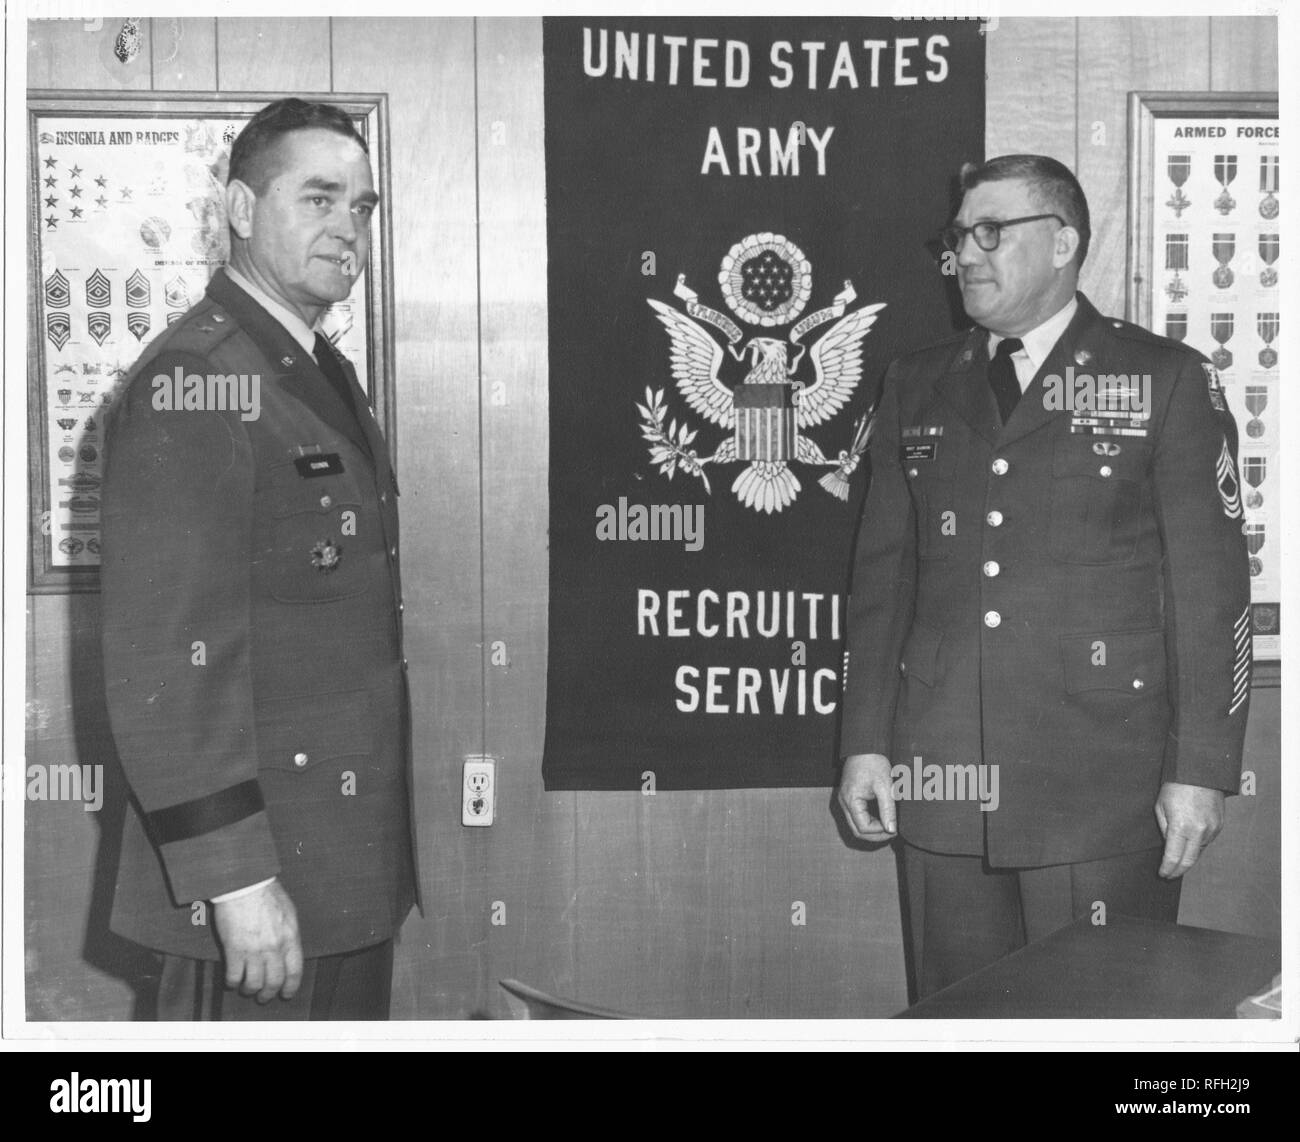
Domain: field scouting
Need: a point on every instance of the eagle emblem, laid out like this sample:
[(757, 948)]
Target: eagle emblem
[(766, 281)]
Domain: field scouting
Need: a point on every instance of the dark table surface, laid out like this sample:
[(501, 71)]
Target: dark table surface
[(1125, 969)]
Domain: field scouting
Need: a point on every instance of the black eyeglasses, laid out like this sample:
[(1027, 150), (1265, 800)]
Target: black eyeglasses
[(987, 234)]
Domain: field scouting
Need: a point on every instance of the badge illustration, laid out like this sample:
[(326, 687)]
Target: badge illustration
[(99, 325), (137, 321), (58, 328), (766, 281), (138, 292), (154, 232), (99, 291), (326, 555), (176, 293), (58, 293)]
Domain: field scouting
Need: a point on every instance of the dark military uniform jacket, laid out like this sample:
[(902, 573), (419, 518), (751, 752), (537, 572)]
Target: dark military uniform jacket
[(252, 643), (1065, 597)]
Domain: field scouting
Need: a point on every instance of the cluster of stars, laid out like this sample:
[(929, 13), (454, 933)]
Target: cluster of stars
[(74, 191), (768, 280)]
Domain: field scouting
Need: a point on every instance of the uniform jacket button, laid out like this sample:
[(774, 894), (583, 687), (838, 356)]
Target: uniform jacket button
[(300, 759), (992, 568), (393, 551), (1105, 471), (913, 473), (992, 619), (325, 501), (902, 668), (994, 519), (1000, 467), (1138, 683)]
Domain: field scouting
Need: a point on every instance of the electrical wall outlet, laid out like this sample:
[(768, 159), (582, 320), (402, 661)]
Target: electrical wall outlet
[(478, 791)]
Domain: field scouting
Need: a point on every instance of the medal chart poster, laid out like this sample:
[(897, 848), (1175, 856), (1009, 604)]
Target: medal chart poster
[(1217, 239), (129, 225), (741, 222)]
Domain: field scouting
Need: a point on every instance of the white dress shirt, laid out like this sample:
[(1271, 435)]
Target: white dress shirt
[(1037, 343)]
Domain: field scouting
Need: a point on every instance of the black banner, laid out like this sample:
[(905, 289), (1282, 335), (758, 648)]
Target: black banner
[(740, 225)]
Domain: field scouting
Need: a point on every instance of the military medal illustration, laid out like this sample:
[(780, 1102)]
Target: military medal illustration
[(1179, 168), (1176, 326), (1223, 246), (326, 555), (1221, 325), (1268, 252), (1268, 172), (1253, 471), (1176, 260), (1267, 325), (1225, 170), (1254, 532), (1264, 618), (766, 281), (1256, 402)]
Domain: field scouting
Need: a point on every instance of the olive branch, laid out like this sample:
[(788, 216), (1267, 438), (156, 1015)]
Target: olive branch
[(670, 447)]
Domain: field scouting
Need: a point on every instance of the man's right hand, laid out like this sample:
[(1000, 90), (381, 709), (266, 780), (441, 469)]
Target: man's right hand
[(259, 937), (866, 777)]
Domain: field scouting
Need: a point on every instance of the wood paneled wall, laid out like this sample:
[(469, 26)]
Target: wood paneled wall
[(677, 905)]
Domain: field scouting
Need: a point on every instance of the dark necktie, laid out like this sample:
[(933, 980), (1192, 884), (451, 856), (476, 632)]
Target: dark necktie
[(1002, 376), (333, 370)]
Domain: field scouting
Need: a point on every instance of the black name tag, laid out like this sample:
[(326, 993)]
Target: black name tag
[(914, 450), (318, 464)]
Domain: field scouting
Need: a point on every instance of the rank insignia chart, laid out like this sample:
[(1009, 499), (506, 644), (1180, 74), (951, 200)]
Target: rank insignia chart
[(130, 225)]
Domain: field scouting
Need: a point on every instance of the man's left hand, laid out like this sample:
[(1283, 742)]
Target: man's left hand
[(1190, 818)]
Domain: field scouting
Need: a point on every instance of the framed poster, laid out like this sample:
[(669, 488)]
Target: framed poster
[(127, 225), (1204, 241)]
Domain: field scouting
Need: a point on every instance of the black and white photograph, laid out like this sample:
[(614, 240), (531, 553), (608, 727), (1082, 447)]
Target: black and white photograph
[(712, 527)]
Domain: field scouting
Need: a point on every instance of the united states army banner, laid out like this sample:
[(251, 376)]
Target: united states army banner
[(740, 225)]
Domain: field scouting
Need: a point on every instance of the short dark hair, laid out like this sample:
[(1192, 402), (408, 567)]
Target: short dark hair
[(1052, 185), (253, 150)]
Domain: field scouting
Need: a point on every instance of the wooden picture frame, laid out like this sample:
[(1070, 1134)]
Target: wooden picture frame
[(1203, 237), (126, 225)]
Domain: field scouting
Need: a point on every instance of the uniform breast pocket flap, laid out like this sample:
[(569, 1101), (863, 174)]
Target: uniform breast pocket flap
[(299, 488), (1130, 662), (1096, 500), (299, 734), (920, 658), (926, 453), (317, 534)]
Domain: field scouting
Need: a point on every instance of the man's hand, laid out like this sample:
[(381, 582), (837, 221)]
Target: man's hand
[(866, 778), (259, 936), (1190, 818)]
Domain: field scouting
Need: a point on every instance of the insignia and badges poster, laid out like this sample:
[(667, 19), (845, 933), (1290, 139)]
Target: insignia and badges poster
[(1217, 243), (129, 225), (741, 221)]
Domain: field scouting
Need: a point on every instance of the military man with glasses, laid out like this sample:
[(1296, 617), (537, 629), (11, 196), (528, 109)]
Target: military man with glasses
[(1049, 647)]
